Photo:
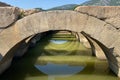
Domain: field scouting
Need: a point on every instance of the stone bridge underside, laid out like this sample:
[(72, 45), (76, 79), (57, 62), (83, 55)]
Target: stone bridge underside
[(96, 30)]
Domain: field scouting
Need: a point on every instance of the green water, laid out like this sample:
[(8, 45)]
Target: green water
[(52, 60)]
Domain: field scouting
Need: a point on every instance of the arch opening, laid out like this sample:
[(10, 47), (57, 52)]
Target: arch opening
[(50, 56), (55, 20)]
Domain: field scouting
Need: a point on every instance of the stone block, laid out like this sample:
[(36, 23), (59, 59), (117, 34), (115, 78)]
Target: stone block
[(8, 15)]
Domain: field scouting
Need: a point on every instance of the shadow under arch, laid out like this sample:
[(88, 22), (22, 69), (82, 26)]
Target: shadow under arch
[(7, 59), (15, 53)]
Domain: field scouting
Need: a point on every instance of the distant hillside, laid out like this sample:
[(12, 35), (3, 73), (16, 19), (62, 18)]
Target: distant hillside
[(65, 7), (88, 3), (102, 3), (3, 4), (39, 9)]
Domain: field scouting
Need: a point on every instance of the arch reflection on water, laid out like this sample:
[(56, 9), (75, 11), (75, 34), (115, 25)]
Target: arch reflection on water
[(58, 70), (58, 41)]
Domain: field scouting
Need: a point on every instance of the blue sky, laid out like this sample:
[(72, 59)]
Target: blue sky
[(45, 4)]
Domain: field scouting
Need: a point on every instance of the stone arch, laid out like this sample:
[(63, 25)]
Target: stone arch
[(96, 48), (59, 20)]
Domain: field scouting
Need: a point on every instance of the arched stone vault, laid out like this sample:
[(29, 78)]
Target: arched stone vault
[(97, 31), (89, 43)]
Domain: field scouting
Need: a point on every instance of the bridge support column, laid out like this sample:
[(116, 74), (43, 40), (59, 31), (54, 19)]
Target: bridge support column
[(99, 53), (114, 64), (84, 41)]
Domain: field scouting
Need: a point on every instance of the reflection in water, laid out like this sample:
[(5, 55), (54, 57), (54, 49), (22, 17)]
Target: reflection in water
[(59, 70), (58, 41), (43, 62)]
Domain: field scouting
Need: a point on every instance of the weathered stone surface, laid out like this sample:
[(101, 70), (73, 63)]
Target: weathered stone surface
[(108, 35), (55, 20), (115, 21), (97, 29), (28, 12), (8, 15), (116, 46), (109, 14), (93, 26), (40, 22), (84, 41), (98, 50), (101, 12), (1, 30)]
